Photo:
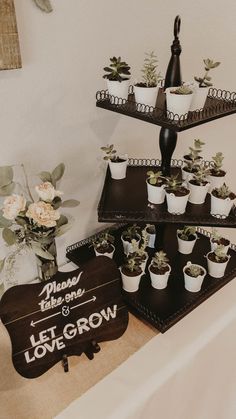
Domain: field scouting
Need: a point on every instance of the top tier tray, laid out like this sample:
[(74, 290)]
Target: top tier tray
[(219, 103)]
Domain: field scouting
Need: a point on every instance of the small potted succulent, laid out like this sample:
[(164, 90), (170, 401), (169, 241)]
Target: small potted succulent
[(217, 240), (146, 91), (187, 238), (103, 245), (193, 276), (159, 270), (217, 261), (131, 234), (199, 185), (155, 187), (117, 164), (131, 273), (202, 85), (222, 200), (178, 101), (117, 76), (176, 195), (192, 160), (151, 232), (139, 250), (217, 174)]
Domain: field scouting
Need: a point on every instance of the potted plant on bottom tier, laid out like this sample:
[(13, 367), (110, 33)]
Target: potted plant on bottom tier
[(193, 276), (155, 187), (217, 261), (216, 176), (117, 76), (187, 238), (178, 101), (104, 245), (139, 250), (117, 164), (151, 232), (128, 237), (222, 200), (131, 273), (192, 160), (145, 92), (217, 240), (176, 195), (199, 185), (159, 270)]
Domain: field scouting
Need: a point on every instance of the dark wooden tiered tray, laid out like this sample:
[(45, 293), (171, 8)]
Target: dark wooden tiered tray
[(163, 308)]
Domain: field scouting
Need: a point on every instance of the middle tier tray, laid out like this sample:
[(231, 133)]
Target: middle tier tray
[(126, 200)]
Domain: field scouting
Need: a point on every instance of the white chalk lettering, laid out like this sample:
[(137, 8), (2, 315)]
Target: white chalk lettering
[(54, 286), (94, 317)]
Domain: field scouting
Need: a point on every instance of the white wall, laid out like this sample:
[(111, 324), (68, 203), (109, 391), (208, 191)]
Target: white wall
[(48, 112)]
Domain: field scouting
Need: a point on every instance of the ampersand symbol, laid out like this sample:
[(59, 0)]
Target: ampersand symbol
[(65, 311)]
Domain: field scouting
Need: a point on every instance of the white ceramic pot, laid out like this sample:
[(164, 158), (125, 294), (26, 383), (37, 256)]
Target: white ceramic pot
[(127, 246), (176, 204), (199, 97), (214, 246), (145, 96), (179, 105), (130, 283), (109, 255), (216, 269), (118, 169), (159, 281), (215, 182), (220, 208), (186, 175), (193, 284), (197, 193), (186, 246), (118, 90), (144, 263), (156, 194)]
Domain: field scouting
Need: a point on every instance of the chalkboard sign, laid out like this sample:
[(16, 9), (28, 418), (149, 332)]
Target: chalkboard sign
[(65, 316)]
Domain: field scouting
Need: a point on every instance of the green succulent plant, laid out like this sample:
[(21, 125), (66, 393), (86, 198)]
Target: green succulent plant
[(155, 178), (131, 232), (186, 232), (200, 175), (117, 71), (110, 153), (193, 157), (219, 253), (223, 192), (132, 264), (217, 162), (173, 183), (160, 260), (102, 240), (205, 80), (194, 270), (150, 76), (182, 90)]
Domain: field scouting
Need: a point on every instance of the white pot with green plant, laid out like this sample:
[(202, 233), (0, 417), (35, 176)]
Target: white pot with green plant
[(178, 101), (139, 250), (146, 91), (222, 200), (151, 232), (176, 195), (128, 236), (186, 238), (217, 240), (193, 276), (131, 273), (192, 160), (159, 270), (199, 185), (104, 245), (155, 187), (117, 164), (217, 174), (117, 76), (201, 86), (217, 261)]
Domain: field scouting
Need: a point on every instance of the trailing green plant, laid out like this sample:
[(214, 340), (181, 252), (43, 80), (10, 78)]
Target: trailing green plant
[(219, 253), (217, 162), (103, 240), (194, 270), (186, 232), (223, 192), (110, 153), (117, 71), (205, 80), (155, 178), (160, 260), (149, 73), (182, 90)]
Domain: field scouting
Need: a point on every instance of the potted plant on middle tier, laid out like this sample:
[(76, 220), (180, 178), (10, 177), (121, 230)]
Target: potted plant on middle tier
[(187, 238), (199, 185), (128, 236), (217, 174), (217, 240), (178, 101), (159, 270), (155, 187), (117, 164), (222, 200), (176, 195), (139, 250), (193, 276), (192, 159), (217, 261), (131, 273)]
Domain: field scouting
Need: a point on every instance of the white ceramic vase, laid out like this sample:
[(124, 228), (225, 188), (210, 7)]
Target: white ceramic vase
[(156, 194), (176, 204), (220, 208), (216, 269), (193, 284), (130, 283), (178, 105), (186, 246), (199, 97), (118, 90), (118, 169), (197, 193), (145, 96), (159, 282)]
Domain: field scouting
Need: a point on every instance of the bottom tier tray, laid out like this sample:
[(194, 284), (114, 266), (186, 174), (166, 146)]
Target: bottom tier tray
[(163, 308)]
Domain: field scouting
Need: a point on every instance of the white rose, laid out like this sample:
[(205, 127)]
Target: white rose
[(46, 191), (43, 214), (13, 205)]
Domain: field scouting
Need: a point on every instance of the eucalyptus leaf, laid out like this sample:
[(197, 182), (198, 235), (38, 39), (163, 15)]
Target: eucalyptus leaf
[(62, 220), (45, 176), (56, 203), (70, 203), (8, 236), (44, 5), (58, 172), (7, 190), (21, 221), (2, 261), (4, 222), (6, 175), (41, 253)]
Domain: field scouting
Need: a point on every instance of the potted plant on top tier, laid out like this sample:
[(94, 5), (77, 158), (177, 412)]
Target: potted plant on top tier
[(131, 273), (117, 164), (159, 270), (186, 239), (199, 185), (146, 91), (217, 261), (217, 174), (103, 245), (193, 276), (155, 187), (217, 240), (128, 236), (176, 195), (178, 101), (192, 160), (117, 79), (222, 200), (202, 86)]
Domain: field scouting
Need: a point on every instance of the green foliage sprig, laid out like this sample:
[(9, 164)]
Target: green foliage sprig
[(217, 162), (219, 253), (205, 80), (110, 153), (182, 90), (223, 192), (103, 240), (117, 71), (150, 76)]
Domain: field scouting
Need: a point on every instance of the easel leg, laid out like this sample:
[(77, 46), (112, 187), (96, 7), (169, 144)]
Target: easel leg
[(65, 363), (92, 349)]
